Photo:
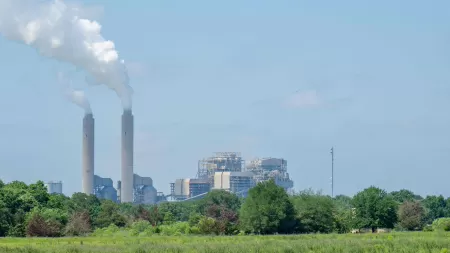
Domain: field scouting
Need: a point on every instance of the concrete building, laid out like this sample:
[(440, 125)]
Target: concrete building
[(271, 168), (226, 171), (181, 189), (54, 187), (233, 181), (198, 187), (103, 188), (220, 162), (143, 190)]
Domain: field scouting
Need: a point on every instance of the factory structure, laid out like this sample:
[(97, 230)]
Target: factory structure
[(54, 187), (132, 188), (228, 171), (223, 171)]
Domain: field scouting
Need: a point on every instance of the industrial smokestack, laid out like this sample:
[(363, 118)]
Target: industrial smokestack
[(126, 194), (88, 154)]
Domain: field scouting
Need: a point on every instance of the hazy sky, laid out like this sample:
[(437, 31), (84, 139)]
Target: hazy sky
[(372, 80)]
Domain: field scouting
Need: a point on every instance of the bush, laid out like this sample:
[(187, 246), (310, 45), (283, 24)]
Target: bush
[(140, 226), (151, 231), (177, 228), (428, 228), (411, 216), (441, 224), (79, 224), (207, 225), (38, 226)]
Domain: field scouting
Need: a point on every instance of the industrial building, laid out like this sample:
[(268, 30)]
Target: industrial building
[(233, 181), (227, 171), (198, 187), (103, 188), (271, 168), (221, 161), (131, 188), (54, 187), (144, 192), (180, 190)]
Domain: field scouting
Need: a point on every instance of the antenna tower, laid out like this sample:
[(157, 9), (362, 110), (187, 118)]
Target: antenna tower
[(332, 172)]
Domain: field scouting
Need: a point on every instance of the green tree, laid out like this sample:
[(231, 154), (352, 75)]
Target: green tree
[(411, 215), (343, 216), (342, 201), (43, 221), (81, 202), (169, 218), (109, 214), (140, 213), (6, 219), (59, 201), (179, 210), (315, 212), (267, 210), (404, 195), (374, 208), (17, 200), (155, 216), (435, 206), (220, 198), (39, 192)]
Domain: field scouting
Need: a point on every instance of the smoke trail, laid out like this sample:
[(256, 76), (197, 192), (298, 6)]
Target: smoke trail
[(76, 96), (59, 31), (79, 98)]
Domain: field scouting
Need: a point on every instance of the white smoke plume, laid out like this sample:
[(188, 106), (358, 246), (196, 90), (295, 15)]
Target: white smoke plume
[(59, 31), (76, 96)]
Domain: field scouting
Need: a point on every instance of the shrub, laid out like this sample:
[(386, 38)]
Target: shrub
[(79, 224), (441, 224), (149, 231), (207, 225), (140, 226), (411, 215), (177, 228), (38, 226), (427, 228)]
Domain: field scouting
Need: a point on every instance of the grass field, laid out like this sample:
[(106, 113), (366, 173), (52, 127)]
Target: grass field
[(394, 242)]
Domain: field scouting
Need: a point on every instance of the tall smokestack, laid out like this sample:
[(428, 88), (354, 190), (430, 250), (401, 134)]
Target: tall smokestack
[(126, 194), (88, 154)]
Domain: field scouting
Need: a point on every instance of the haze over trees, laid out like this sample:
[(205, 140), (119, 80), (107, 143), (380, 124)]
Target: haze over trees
[(28, 210)]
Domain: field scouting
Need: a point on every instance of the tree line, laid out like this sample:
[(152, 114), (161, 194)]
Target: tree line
[(28, 210)]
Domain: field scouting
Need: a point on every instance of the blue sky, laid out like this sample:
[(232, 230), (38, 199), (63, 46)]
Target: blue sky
[(372, 80)]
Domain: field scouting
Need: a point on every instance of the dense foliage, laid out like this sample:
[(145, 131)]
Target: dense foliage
[(28, 210)]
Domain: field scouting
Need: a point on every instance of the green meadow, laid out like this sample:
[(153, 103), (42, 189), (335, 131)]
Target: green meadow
[(392, 242)]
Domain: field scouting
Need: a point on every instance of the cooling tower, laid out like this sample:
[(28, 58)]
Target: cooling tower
[(88, 154), (126, 194)]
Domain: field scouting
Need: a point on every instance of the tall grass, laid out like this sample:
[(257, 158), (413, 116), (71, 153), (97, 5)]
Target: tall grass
[(394, 242)]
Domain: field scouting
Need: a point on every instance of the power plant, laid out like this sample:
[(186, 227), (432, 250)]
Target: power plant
[(126, 191), (131, 188), (227, 171), (223, 171), (88, 154)]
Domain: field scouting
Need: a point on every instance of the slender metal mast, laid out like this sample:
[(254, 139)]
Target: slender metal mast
[(332, 172)]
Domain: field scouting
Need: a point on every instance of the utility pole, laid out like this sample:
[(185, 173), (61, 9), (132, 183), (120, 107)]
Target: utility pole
[(332, 172)]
